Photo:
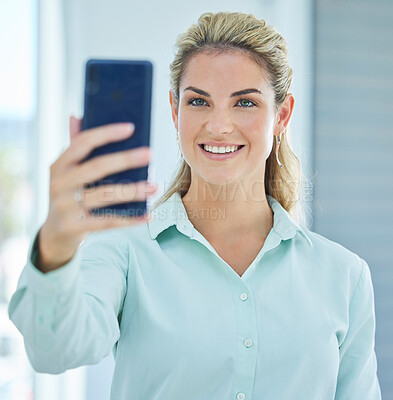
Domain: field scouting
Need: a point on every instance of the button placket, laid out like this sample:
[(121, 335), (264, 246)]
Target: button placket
[(248, 342), (246, 347), (244, 296)]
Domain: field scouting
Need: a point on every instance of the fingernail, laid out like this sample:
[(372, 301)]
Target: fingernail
[(151, 187), (126, 128)]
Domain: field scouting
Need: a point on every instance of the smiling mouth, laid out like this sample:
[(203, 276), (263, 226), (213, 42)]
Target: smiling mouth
[(212, 150)]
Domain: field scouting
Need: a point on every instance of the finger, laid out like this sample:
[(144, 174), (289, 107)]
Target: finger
[(105, 195), (84, 143), (100, 167), (75, 126)]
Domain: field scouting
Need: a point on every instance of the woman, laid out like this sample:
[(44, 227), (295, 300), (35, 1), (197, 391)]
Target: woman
[(222, 294)]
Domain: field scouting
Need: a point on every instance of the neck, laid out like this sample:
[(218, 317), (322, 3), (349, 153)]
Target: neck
[(228, 210)]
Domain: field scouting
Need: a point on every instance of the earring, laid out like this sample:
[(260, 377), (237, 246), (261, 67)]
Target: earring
[(278, 141)]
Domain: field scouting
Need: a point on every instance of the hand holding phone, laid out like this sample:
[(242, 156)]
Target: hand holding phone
[(67, 223)]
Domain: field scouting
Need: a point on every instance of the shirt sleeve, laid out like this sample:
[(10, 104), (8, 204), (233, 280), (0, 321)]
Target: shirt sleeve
[(357, 375), (69, 317)]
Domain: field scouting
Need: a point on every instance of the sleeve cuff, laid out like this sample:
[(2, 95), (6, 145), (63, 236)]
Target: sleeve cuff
[(57, 281)]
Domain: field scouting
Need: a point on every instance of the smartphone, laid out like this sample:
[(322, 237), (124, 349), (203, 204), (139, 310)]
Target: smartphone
[(119, 91)]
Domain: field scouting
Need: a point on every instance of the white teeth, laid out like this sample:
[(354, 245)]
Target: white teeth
[(215, 149)]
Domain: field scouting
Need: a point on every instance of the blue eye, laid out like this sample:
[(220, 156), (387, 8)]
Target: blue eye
[(197, 102), (246, 103)]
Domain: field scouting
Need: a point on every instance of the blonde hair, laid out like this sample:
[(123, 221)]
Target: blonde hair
[(225, 31)]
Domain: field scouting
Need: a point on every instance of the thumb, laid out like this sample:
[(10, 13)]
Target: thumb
[(75, 126)]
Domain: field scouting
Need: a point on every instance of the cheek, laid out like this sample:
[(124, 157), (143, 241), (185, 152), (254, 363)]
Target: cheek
[(190, 124), (191, 117), (258, 118), (260, 135), (257, 126)]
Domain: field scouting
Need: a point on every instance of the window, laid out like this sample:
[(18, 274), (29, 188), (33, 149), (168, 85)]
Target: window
[(18, 49)]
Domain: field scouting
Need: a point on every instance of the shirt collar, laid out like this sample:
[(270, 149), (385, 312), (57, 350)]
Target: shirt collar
[(284, 225), (173, 212)]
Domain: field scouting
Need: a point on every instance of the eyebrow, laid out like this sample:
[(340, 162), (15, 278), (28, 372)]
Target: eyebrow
[(239, 93)]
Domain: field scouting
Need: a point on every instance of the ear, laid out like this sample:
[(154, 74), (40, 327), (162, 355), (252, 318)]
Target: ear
[(174, 107), (284, 114)]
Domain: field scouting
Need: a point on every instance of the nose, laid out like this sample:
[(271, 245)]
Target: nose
[(219, 121)]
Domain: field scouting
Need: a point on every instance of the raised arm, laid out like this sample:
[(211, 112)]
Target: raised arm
[(69, 317)]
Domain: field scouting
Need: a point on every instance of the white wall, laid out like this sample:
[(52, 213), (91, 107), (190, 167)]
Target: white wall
[(148, 30)]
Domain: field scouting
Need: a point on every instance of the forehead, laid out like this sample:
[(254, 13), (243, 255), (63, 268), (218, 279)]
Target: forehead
[(230, 67)]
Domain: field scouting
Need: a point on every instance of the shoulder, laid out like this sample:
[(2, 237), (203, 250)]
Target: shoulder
[(331, 256), (330, 247), (334, 272)]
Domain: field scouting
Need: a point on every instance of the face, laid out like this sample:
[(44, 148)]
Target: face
[(225, 100)]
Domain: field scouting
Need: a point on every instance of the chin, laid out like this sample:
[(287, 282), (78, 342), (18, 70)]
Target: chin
[(220, 179)]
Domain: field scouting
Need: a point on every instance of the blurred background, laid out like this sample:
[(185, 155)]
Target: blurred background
[(341, 52)]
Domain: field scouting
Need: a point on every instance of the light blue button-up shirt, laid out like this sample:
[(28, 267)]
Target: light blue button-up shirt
[(299, 324)]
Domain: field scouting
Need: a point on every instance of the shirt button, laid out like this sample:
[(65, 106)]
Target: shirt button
[(248, 342), (244, 296), (240, 396)]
